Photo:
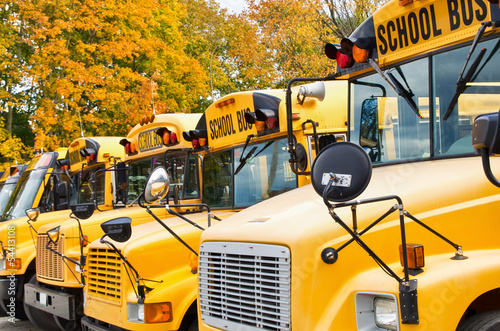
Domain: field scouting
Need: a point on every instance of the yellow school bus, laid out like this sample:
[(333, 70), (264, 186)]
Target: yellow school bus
[(40, 186), (8, 183), (398, 230), (242, 139), (51, 180), (54, 299)]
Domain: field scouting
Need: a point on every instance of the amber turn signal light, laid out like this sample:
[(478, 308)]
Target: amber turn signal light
[(415, 255)]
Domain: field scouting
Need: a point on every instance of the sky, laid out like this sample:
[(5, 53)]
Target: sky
[(234, 6)]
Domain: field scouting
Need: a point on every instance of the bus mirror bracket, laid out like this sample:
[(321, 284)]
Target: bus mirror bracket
[(289, 124)]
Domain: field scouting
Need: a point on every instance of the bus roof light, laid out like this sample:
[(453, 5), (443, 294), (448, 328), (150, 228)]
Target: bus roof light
[(335, 53), (196, 137), (263, 118), (130, 147), (224, 103), (168, 137)]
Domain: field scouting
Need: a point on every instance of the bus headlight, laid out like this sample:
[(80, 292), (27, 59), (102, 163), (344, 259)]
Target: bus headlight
[(386, 313), (376, 311)]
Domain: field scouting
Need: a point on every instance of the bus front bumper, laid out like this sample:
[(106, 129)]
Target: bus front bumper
[(53, 302)]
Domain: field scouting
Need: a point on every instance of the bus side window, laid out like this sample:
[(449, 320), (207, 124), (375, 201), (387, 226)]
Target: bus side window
[(369, 133)]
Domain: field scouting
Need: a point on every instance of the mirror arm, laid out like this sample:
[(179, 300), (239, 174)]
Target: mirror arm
[(170, 230), (485, 157), (184, 218)]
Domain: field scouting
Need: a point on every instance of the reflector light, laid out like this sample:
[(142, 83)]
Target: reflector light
[(127, 148), (13, 264), (133, 148), (193, 263), (85, 240), (195, 143), (415, 254), (295, 116), (202, 141), (158, 312), (405, 2), (224, 103)]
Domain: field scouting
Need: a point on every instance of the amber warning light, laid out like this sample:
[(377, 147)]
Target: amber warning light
[(415, 254)]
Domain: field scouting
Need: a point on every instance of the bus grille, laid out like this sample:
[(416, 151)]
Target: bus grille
[(245, 286), (49, 265), (104, 274)]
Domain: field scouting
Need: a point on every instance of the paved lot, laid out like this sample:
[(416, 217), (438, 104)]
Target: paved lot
[(6, 325)]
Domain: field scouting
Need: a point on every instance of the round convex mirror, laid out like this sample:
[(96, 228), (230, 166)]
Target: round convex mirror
[(350, 166), (157, 185)]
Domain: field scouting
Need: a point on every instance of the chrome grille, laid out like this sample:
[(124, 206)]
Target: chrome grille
[(104, 274), (245, 286), (49, 265)]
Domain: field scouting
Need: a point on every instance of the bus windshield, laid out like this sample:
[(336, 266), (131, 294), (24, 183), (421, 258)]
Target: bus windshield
[(6, 190), (183, 179), (85, 187), (387, 127), (263, 175), (25, 194)]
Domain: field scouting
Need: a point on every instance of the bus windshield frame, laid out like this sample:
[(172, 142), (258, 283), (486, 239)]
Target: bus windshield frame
[(389, 129)]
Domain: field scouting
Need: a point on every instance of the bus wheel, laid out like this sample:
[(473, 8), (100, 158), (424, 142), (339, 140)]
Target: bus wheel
[(37, 317), (487, 321)]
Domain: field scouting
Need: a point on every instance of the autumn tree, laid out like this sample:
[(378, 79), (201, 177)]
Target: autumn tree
[(88, 63), (342, 17)]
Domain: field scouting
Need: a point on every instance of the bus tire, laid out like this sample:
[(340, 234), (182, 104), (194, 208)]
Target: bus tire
[(39, 318), (487, 321)]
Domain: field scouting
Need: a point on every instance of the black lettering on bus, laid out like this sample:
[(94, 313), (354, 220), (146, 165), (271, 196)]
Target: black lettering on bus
[(453, 14), (402, 32), (381, 37), (211, 126), (241, 120), (393, 42), (413, 28), (219, 125), (425, 24), (481, 15), (435, 31), (467, 12), (231, 127)]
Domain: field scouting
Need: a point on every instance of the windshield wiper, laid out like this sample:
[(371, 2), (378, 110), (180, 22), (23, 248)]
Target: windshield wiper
[(243, 159), (398, 87), (462, 81), (221, 164)]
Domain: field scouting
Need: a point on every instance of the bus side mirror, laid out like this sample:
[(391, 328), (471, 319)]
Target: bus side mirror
[(33, 214), (83, 210), (118, 229), (121, 182), (341, 172), (486, 139), (157, 185)]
